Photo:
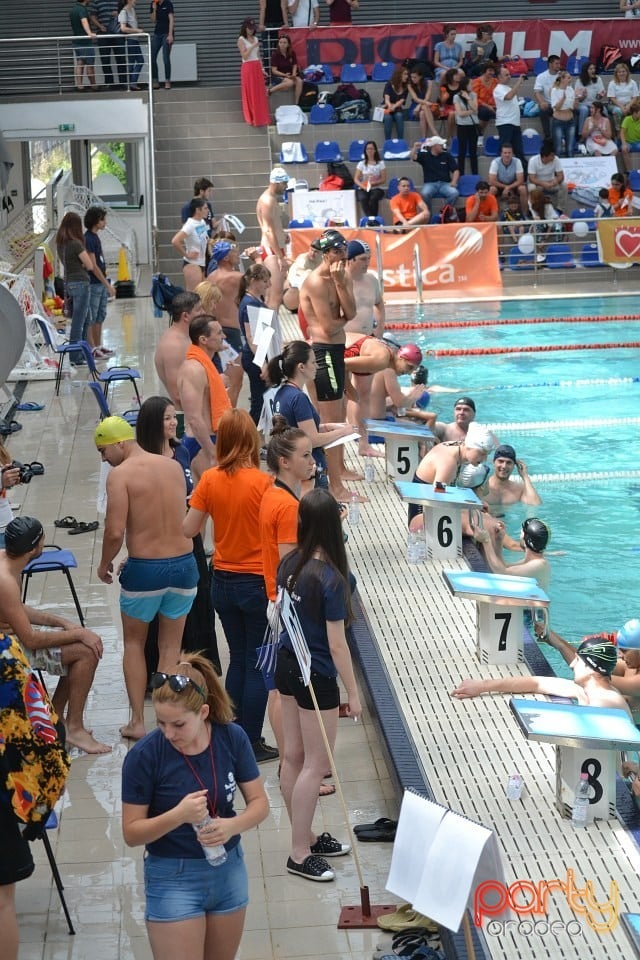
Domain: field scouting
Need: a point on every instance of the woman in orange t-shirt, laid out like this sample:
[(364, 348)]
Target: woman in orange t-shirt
[(231, 493)]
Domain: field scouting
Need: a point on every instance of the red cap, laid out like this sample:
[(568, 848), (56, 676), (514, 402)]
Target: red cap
[(411, 353)]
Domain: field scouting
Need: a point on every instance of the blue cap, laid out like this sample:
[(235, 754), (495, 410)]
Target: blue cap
[(220, 250), (355, 248), (629, 635)]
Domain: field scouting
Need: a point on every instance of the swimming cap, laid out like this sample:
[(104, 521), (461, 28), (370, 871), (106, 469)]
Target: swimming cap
[(355, 248), (315, 244), (467, 401), (472, 477), (332, 239), (600, 655), (411, 353), (220, 250), (629, 635), (505, 452), (478, 438), (22, 535), (536, 534), (112, 430), (278, 175)]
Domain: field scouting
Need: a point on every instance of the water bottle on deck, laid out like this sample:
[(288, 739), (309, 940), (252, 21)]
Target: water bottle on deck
[(580, 812), (354, 510)]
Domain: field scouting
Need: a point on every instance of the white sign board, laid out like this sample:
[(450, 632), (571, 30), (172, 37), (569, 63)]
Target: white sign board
[(319, 206)]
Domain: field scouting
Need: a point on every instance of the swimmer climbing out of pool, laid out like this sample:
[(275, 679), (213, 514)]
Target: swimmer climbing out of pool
[(592, 664), (534, 537)]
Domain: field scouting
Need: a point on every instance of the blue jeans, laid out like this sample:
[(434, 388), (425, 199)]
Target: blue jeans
[(397, 118), (439, 188), (240, 600), (563, 129), (158, 43), (135, 60), (79, 291)]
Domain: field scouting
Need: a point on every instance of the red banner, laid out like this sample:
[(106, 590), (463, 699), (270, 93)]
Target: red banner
[(453, 258), (529, 39)]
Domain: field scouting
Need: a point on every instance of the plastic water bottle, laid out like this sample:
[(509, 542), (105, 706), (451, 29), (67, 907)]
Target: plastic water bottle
[(369, 470), (514, 787), (217, 855), (401, 411), (354, 510), (580, 812), (65, 388), (413, 547)]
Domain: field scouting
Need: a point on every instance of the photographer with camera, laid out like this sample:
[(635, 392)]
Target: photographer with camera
[(12, 472)]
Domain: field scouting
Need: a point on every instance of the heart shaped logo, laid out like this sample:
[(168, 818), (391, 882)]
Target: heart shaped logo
[(627, 242)]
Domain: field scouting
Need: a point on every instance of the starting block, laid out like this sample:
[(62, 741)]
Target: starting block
[(441, 511), (587, 740), (401, 445), (500, 600)]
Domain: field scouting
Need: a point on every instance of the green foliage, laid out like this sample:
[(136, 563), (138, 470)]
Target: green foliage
[(109, 158)]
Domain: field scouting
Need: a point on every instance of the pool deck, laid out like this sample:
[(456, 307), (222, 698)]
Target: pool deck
[(413, 634)]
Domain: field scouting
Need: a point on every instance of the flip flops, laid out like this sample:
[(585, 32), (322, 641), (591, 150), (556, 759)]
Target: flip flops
[(67, 523), (382, 831), (9, 426), (83, 527), (406, 918), (30, 406)]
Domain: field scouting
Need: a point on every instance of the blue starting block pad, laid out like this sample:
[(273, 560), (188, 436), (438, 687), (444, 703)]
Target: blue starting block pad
[(441, 512), (500, 599), (631, 926), (401, 445), (587, 740)]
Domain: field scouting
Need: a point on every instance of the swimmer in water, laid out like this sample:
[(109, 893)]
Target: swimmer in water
[(534, 537)]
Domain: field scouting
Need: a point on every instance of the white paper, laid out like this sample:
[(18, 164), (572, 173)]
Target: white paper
[(258, 316), (262, 345), (338, 443), (291, 623), (417, 825), (228, 355)]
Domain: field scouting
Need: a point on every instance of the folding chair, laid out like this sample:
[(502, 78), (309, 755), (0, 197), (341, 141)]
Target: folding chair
[(51, 559)]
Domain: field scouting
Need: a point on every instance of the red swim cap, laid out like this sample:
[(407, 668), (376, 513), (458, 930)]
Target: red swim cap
[(411, 353)]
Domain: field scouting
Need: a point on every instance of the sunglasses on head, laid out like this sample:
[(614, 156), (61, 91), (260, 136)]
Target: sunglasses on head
[(176, 682)]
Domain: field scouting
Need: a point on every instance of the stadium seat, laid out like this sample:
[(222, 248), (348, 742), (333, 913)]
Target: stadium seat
[(392, 189), (356, 150), (293, 153), (435, 218), (353, 73), (300, 224), (634, 180), (365, 221), (327, 151), (584, 213), (590, 256), (539, 66), (454, 147), (467, 184), (322, 113), (491, 146), (520, 261), (328, 74), (395, 150), (531, 143), (559, 257), (333, 223), (383, 71)]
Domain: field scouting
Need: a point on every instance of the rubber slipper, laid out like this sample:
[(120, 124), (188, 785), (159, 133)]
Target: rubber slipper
[(377, 835), (384, 822), (406, 920), (9, 426), (67, 523), (84, 528), (29, 406)]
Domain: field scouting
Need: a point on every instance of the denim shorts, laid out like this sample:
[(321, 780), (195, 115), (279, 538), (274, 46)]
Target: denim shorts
[(184, 889), (98, 298)]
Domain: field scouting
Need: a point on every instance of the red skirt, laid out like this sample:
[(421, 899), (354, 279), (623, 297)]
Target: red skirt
[(255, 105)]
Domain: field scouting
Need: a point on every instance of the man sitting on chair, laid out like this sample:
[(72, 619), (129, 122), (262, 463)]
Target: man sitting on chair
[(63, 649)]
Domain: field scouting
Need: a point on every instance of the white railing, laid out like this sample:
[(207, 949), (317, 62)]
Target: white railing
[(117, 233)]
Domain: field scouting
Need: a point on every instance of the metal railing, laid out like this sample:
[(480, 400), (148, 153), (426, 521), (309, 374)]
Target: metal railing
[(117, 233)]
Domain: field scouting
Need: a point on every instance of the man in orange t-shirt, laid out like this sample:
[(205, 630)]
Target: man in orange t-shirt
[(408, 207), (482, 206)]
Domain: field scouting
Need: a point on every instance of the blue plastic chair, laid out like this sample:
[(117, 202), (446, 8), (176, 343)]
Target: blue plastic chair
[(491, 146), (300, 224), (131, 416), (584, 213), (366, 222), (327, 151), (51, 559), (467, 184), (322, 113), (303, 154), (559, 257), (114, 375), (353, 73), (539, 66), (356, 150), (590, 256), (395, 150), (531, 143), (634, 180), (454, 148), (61, 349), (392, 189), (520, 261), (382, 71)]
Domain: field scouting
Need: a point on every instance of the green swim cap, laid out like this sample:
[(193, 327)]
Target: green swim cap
[(600, 655), (112, 430)]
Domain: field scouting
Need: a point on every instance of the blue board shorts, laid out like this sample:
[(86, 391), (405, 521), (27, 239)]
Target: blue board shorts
[(167, 586), (192, 445), (182, 889)]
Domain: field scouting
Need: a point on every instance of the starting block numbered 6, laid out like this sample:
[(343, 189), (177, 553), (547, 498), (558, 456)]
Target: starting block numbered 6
[(442, 520)]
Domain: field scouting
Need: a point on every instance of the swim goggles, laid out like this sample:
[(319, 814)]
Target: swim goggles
[(176, 682)]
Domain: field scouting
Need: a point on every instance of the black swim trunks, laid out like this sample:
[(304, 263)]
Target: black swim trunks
[(330, 374)]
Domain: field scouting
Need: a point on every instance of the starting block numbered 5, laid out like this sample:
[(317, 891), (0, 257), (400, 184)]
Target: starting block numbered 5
[(401, 445)]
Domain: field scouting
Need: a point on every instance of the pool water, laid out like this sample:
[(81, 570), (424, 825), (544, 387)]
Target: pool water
[(595, 523)]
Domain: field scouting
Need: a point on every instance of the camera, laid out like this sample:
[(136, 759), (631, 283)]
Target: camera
[(419, 376), (27, 470)]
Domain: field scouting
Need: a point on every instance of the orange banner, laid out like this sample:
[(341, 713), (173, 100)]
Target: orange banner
[(453, 258), (619, 239)]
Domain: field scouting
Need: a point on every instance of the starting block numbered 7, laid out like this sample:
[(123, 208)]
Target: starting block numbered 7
[(500, 600), (442, 516), (401, 445)]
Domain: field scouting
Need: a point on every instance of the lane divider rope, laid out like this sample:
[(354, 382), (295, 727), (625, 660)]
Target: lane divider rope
[(592, 382), (543, 348), (589, 475), (505, 321), (559, 424)]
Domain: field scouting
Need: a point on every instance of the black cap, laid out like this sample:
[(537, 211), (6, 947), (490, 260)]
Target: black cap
[(536, 534), (332, 239), (468, 402), (601, 655), (505, 452), (22, 535)]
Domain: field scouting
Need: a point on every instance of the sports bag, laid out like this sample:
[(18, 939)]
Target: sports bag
[(340, 169), (309, 96), (163, 291), (516, 66), (353, 111), (449, 214), (610, 55)]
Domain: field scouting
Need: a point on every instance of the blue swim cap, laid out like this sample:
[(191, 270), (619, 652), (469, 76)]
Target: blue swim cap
[(629, 635)]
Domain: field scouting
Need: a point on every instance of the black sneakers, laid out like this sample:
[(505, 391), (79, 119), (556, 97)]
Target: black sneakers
[(328, 846), (312, 868), (263, 752)]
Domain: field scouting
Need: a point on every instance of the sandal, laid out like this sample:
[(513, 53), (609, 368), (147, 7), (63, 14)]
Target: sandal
[(382, 823), (83, 527), (67, 523), (9, 426)]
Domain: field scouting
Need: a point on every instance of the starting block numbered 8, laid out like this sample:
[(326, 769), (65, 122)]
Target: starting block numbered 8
[(587, 740), (401, 445), (442, 521), (500, 600)]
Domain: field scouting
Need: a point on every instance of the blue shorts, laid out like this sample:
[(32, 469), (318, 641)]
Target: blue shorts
[(84, 50), (166, 586), (184, 889), (192, 445)]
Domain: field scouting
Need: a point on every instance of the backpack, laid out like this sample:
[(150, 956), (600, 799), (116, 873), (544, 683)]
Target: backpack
[(163, 291), (449, 214), (363, 95), (331, 182), (353, 111), (309, 96), (340, 169), (609, 57), (516, 66), (343, 93)]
